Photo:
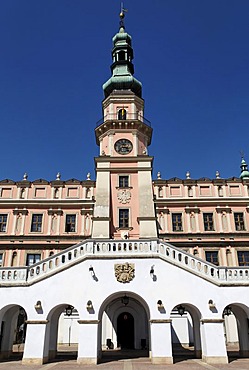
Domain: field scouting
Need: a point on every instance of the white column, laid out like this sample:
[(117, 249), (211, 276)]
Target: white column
[(88, 342), (213, 341), (135, 144), (161, 342), (35, 343)]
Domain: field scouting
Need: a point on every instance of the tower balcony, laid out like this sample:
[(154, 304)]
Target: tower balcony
[(129, 122), (128, 118)]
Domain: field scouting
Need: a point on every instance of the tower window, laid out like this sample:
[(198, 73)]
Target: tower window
[(123, 181), (123, 218), (239, 221), (212, 257), (3, 223), (122, 114), (70, 223), (121, 55), (177, 222), (36, 224), (208, 221)]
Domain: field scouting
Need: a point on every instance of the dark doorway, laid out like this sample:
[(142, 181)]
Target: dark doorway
[(125, 331)]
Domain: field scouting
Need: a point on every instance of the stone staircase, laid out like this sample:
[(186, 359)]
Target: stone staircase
[(91, 249)]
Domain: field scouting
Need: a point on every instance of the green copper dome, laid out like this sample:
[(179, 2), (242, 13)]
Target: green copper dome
[(244, 170), (122, 67)]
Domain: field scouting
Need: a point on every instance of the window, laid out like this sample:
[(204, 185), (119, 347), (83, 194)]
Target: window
[(122, 114), (208, 221), (212, 257), (1, 259), (177, 221), (123, 181), (3, 223), (243, 258), (123, 218), (32, 258), (239, 221), (70, 223), (36, 225)]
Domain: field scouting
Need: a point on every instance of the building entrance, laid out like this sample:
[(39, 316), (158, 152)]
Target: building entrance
[(125, 331)]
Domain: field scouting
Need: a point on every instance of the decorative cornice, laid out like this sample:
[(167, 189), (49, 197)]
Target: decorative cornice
[(17, 211), (101, 219), (52, 212), (189, 209), (146, 219), (223, 209)]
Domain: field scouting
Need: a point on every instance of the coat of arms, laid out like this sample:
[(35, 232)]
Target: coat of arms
[(124, 196), (124, 272)]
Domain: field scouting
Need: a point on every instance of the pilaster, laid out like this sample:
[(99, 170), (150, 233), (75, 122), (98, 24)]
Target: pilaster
[(35, 343), (161, 342), (213, 341), (88, 342)]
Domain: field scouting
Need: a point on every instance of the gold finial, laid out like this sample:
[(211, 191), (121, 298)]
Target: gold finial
[(122, 12)]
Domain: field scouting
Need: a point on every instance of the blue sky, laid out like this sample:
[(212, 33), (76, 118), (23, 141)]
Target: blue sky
[(192, 57)]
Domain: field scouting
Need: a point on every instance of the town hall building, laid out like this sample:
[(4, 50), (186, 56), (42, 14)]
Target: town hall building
[(125, 263)]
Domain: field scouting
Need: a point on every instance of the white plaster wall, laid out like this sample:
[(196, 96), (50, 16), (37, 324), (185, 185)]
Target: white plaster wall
[(75, 286)]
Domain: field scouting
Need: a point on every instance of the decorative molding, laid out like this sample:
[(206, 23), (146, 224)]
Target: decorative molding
[(212, 321), (88, 321), (124, 272), (52, 212), (36, 322), (161, 321), (17, 211)]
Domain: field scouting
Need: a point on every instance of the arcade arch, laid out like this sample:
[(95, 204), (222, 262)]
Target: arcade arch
[(123, 323), (61, 328), (13, 331), (236, 325), (185, 331)]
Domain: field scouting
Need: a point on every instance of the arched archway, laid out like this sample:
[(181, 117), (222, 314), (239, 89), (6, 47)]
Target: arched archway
[(61, 338), (236, 327), (124, 325), (13, 331), (185, 330)]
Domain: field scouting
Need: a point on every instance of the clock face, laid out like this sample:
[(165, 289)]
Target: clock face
[(123, 146)]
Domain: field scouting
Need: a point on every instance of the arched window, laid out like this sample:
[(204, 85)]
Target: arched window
[(122, 114), (121, 55), (14, 259)]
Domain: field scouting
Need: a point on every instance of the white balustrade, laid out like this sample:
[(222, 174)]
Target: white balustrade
[(124, 249)]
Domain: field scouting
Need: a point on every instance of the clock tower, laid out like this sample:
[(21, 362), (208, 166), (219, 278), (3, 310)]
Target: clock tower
[(124, 207)]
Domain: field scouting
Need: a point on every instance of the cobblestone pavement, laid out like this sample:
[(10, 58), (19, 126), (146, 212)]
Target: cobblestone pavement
[(112, 361), (132, 364)]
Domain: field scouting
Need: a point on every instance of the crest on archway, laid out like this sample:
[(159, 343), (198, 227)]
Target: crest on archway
[(124, 272)]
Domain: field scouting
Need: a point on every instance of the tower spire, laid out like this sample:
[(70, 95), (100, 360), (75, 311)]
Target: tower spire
[(244, 169), (122, 67)]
